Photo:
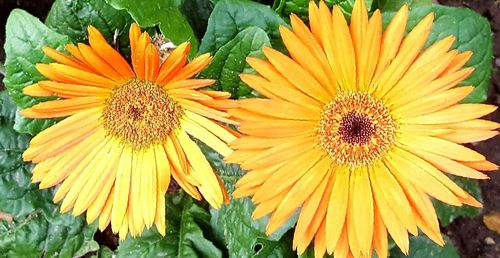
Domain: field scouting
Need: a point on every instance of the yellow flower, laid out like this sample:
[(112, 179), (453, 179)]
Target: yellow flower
[(127, 131), (356, 132)]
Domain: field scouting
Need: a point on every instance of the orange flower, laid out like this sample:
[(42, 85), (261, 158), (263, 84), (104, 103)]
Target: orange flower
[(357, 131), (127, 131)]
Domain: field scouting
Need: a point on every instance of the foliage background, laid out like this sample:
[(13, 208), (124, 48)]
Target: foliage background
[(231, 30)]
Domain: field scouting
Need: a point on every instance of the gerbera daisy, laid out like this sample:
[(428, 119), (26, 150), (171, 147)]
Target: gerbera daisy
[(356, 132), (127, 131)]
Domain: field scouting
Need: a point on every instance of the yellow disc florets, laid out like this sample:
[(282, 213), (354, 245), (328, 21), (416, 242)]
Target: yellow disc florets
[(140, 113), (355, 129)]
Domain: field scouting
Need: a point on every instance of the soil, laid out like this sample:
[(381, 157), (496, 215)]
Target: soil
[(470, 235)]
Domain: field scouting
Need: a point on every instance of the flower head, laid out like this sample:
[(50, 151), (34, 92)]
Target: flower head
[(126, 131), (359, 127)]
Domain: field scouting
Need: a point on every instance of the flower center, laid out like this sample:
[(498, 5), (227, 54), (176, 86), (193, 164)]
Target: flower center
[(356, 129), (140, 114)]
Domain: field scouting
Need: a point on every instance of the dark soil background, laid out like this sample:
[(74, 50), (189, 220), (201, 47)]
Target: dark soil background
[(470, 235)]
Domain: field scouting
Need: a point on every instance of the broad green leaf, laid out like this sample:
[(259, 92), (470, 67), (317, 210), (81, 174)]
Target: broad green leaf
[(25, 37), (229, 62), (423, 247), (300, 7), (185, 235), (447, 213), (230, 17), (104, 252), (233, 224), (394, 5), (165, 13), (472, 32), (72, 17), (37, 228), (7, 107), (44, 235), (197, 13)]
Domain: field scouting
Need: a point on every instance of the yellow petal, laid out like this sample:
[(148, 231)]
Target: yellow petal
[(312, 214), (369, 52), (358, 27), (408, 51), (80, 167), (384, 182), (302, 79), (417, 176), (453, 114), (304, 57), (122, 187), (337, 208), (202, 170), (380, 243), (391, 39), (433, 103), (206, 137), (363, 211), (309, 41), (468, 136), (441, 147), (394, 225), (148, 187), (105, 215), (98, 164), (68, 161), (449, 166), (287, 175), (302, 189), (98, 182)]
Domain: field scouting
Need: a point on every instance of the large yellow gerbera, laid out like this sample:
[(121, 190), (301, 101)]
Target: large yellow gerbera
[(127, 131), (357, 130)]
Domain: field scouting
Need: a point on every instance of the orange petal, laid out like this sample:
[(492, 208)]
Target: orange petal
[(108, 53), (36, 91), (65, 59), (193, 68), (152, 63), (174, 62), (73, 90), (100, 64)]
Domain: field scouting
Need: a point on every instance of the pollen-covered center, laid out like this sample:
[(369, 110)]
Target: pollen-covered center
[(355, 129), (140, 113)]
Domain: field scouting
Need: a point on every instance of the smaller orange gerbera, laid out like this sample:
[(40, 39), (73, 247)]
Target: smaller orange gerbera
[(126, 131)]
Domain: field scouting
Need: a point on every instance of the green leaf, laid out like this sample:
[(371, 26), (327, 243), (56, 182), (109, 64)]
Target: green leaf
[(300, 7), (37, 228), (25, 37), (447, 213), (423, 247), (185, 223), (197, 13), (104, 252), (394, 5), (230, 17), (229, 62), (473, 33), (72, 17), (165, 13), (7, 107), (233, 224)]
